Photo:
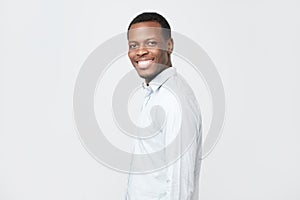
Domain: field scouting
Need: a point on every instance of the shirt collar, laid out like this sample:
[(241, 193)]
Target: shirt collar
[(160, 79)]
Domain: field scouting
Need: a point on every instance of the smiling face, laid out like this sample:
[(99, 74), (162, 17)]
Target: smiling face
[(149, 51)]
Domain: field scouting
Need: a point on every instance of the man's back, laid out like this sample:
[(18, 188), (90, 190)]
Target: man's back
[(179, 139)]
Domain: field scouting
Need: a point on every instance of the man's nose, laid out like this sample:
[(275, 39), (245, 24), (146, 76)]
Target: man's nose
[(141, 51)]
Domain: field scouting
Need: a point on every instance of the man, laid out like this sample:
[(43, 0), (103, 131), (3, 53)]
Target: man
[(178, 129)]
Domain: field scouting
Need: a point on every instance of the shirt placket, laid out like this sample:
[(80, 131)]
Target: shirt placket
[(148, 92)]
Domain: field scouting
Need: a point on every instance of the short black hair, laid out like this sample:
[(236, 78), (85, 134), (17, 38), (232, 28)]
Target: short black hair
[(152, 16)]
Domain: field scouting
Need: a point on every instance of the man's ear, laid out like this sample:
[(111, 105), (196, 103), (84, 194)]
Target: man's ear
[(170, 45)]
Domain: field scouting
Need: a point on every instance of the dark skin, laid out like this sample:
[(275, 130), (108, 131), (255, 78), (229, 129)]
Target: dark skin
[(149, 51)]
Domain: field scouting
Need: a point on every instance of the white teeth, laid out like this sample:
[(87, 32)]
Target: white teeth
[(144, 63)]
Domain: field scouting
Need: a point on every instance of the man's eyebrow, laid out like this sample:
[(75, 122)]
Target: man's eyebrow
[(151, 38)]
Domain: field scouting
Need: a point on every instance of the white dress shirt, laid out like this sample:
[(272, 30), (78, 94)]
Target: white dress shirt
[(179, 179)]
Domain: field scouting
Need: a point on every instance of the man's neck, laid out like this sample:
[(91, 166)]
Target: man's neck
[(148, 81)]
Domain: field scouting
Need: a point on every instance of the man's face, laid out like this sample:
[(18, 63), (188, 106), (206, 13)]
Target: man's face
[(149, 51)]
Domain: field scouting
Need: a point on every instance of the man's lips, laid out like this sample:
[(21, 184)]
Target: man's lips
[(145, 63)]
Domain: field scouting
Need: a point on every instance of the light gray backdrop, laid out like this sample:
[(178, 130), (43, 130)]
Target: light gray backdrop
[(255, 46)]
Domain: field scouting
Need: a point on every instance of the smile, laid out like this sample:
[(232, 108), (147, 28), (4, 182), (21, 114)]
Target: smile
[(143, 64)]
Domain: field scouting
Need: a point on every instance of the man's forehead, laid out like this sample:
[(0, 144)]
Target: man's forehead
[(145, 32)]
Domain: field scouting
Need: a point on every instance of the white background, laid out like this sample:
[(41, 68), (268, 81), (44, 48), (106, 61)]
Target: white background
[(255, 46)]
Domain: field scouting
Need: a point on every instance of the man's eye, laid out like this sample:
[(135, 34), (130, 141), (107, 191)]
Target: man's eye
[(132, 46), (152, 43)]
